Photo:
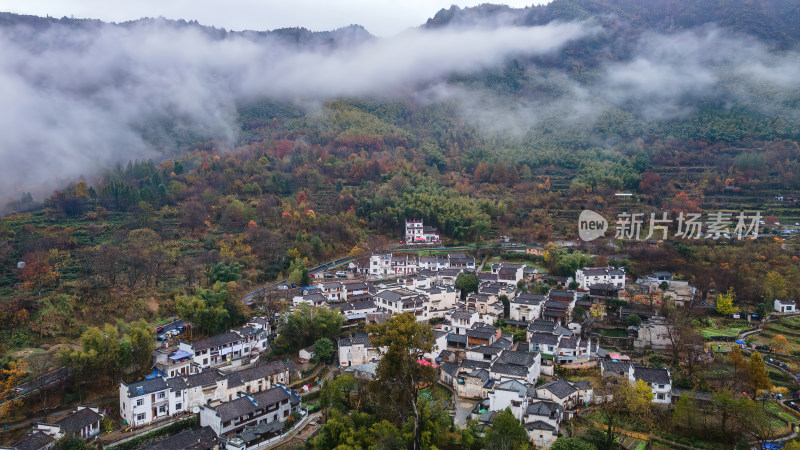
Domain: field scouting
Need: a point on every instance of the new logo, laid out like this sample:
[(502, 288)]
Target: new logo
[(591, 225)]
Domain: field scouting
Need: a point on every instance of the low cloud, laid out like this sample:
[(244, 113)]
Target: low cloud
[(76, 98)]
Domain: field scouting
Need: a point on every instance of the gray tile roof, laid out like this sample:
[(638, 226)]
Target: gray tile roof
[(539, 425), (76, 421), (449, 368), (215, 341), (200, 439), (146, 387), (560, 388), (513, 385), (355, 339), (243, 406), (651, 375), (517, 358), (544, 339), (544, 408), (472, 364), (509, 369), (34, 441), (602, 271), (615, 368), (544, 326), (466, 315)]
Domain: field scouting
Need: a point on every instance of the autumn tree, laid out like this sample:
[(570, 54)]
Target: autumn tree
[(10, 378), (400, 376), (724, 303), (624, 399), (780, 343), (757, 372)]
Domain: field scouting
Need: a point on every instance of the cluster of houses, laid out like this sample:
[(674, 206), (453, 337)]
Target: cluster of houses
[(83, 422), (240, 400)]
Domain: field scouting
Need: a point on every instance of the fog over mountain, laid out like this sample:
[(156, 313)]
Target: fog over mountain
[(83, 95)]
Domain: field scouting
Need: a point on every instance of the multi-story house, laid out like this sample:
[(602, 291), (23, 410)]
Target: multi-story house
[(589, 276), (509, 394), (273, 406), (659, 380), (513, 365), (573, 350), (418, 233), (400, 300), (229, 348), (144, 401), (460, 261), (526, 307), (333, 291), (508, 273), (357, 349)]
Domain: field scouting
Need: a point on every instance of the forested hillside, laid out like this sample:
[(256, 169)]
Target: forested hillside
[(689, 105)]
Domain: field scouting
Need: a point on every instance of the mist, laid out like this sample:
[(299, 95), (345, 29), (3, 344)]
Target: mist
[(76, 99)]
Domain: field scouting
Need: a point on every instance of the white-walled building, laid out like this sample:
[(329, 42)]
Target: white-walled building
[(418, 233), (227, 348), (589, 276), (784, 306), (526, 307), (273, 406), (357, 349)]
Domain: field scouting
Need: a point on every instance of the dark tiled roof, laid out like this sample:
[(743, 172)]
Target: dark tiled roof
[(524, 359), (486, 350), (544, 326), (509, 369), (544, 408), (243, 406), (201, 439), (560, 388), (357, 338), (472, 364), (543, 338), (466, 315), (502, 343), (602, 271), (146, 387), (582, 385), (457, 338), (34, 441), (215, 341), (651, 375), (568, 343), (206, 378), (76, 421), (539, 425), (260, 371), (358, 306), (449, 368), (513, 385), (615, 368)]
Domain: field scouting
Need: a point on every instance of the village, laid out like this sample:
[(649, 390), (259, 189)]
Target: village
[(507, 337)]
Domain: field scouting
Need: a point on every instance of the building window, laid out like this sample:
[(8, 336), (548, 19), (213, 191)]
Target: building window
[(139, 402), (161, 395), (177, 394), (140, 417), (178, 406)]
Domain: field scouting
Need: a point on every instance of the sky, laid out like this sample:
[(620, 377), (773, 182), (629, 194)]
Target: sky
[(379, 17)]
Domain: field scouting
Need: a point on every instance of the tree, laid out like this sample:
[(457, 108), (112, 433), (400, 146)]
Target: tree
[(224, 272), (307, 324), (467, 282), (621, 399), (685, 412), (10, 378), (780, 343), (506, 304), (757, 371), (724, 405), (578, 314), (142, 344), (70, 442), (633, 320), (506, 433), (724, 303), (597, 310), (774, 286), (568, 443), (400, 376), (324, 350)]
